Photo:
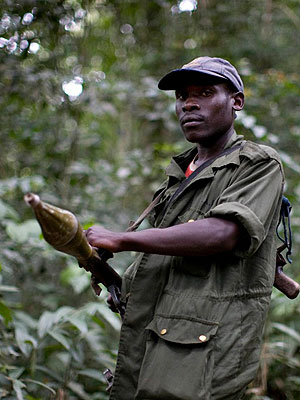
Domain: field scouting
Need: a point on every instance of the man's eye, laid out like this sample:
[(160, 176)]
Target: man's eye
[(179, 95), (206, 93)]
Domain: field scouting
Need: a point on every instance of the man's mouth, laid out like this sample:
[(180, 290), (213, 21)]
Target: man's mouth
[(191, 120)]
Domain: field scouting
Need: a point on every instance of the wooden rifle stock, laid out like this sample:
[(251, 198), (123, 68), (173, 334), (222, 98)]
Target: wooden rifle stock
[(282, 282)]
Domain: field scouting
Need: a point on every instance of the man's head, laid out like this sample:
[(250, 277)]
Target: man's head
[(208, 93)]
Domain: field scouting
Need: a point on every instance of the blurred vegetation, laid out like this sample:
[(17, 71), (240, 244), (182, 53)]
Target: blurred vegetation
[(84, 125)]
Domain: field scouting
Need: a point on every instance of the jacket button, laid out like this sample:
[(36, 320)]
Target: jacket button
[(163, 331), (202, 338)]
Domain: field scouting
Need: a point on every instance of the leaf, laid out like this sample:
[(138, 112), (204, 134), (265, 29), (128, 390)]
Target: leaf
[(41, 384), (45, 323), (78, 390), (62, 314), (98, 321), (92, 373), (289, 331), (18, 386), (22, 232), (8, 289), (76, 277), (16, 373), (28, 397), (87, 225), (294, 379), (107, 316), (79, 323), (59, 337), (23, 339), (110, 318), (6, 313), (50, 373), (7, 211), (23, 318)]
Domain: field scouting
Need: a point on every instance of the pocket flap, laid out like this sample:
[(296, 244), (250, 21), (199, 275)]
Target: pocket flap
[(183, 329)]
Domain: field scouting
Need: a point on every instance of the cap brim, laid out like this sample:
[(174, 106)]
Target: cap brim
[(180, 77)]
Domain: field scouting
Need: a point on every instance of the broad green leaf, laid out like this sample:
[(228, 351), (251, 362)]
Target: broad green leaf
[(50, 372), (98, 321), (79, 323), (59, 337), (23, 318), (18, 386), (9, 289), (45, 323), (64, 357), (92, 373), (109, 317), (78, 390), (77, 277), (87, 225), (22, 232), (5, 312), (24, 340), (289, 331), (16, 373), (62, 314), (12, 351)]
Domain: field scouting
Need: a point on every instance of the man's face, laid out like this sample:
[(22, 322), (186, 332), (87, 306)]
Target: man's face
[(205, 111)]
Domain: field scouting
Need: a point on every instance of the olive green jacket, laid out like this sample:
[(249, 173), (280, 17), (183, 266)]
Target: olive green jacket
[(193, 325)]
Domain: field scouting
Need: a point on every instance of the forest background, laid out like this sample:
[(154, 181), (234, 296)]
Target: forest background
[(84, 126)]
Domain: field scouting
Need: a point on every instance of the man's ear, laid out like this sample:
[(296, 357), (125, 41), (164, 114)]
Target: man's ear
[(238, 101)]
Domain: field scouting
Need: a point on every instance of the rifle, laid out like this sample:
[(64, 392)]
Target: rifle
[(282, 282), (62, 230)]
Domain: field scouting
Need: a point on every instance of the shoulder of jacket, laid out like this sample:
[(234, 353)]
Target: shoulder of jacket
[(259, 152)]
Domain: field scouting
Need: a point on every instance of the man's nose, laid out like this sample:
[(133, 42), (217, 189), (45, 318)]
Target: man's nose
[(190, 104)]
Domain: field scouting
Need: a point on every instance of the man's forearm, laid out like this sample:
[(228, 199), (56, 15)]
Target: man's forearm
[(199, 238)]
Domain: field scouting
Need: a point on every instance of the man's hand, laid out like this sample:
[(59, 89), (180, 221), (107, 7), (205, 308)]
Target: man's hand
[(102, 238)]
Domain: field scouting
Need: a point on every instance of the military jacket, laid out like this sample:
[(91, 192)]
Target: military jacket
[(193, 325)]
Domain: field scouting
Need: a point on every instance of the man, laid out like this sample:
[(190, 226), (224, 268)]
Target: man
[(198, 294)]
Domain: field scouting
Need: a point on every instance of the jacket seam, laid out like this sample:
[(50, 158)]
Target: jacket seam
[(222, 298)]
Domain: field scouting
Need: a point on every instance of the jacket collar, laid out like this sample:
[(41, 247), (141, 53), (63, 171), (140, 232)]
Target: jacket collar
[(180, 162)]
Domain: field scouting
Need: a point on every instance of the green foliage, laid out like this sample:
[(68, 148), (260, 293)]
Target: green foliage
[(83, 124), (55, 348)]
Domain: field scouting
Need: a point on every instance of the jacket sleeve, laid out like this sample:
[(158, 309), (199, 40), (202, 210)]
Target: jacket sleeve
[(252, 199)]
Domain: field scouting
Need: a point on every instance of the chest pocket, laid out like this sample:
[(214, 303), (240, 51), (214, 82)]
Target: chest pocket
[(195, 212), (205, 194)]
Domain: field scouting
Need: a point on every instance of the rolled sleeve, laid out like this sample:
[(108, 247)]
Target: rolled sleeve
[(246, 218), (252, 200)]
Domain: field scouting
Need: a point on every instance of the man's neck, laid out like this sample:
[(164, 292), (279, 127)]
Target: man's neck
[(210, 150)]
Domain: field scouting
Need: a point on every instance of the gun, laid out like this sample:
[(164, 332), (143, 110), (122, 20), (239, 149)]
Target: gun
[(282, 282), (62, 230)]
